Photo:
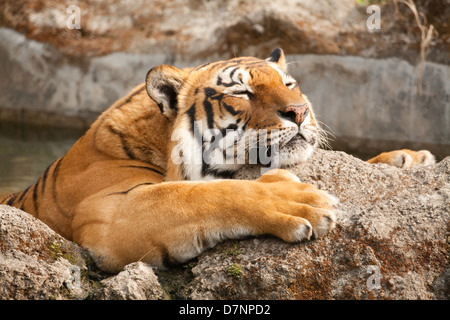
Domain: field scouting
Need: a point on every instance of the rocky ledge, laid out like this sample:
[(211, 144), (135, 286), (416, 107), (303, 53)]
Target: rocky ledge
[(391, 242)]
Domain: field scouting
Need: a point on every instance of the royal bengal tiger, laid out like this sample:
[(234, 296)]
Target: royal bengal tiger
[(151, 180)]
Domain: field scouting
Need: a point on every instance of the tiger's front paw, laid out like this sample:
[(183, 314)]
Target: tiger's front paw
[(316, 208)]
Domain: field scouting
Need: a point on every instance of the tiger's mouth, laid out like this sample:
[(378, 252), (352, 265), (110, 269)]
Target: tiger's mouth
[(310, 139), (298, 149), (301, 137)]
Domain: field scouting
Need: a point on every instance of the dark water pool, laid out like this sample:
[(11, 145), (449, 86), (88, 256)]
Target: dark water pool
[(26, 151)]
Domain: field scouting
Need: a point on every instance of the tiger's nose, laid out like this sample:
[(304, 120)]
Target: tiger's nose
[(296, 113)]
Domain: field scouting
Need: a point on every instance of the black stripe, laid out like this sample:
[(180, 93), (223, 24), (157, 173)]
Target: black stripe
[(221, 83), (231, 110), (223, 174), (233, 72), (209, 92), (244, 126), (54, 193), (11, 200), (125, 147), (128, 100), (44, 177), (132, 188), (209, 113), (161, 107), (128, 151), (143, 167), (239, 60), (55, 171), (191, 113), (232, 83), (203, 65), (232, 126), (234, 65), (227, 174), (24, 192), (35, 195), (21, 200)]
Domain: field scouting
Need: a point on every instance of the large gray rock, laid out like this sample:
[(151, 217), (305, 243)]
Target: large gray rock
[(63, 92), (378, 97), (37, 263), (391, 240)]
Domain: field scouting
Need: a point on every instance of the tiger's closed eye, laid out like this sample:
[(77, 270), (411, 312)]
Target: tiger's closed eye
[(243, 93), (291, 84)]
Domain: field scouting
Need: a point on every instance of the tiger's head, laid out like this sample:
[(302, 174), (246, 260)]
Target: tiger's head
[(230, 113)]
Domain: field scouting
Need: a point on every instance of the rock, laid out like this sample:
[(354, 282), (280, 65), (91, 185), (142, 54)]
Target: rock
[(137, 281), (390, 241), (379, 93), (193, 29), (63, 92), (37, 263)]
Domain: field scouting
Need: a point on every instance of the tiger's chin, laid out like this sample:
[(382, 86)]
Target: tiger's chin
[(299, 149)]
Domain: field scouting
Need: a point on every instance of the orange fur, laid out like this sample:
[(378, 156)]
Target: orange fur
[(405, 158)]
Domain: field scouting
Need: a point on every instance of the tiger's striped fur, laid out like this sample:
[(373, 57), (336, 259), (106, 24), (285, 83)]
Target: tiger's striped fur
[(121, 193)]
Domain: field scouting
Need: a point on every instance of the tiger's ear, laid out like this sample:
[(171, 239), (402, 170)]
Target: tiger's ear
[(163, 84), (277, 56)]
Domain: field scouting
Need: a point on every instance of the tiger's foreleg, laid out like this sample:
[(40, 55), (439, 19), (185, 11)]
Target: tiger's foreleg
[(172, 222)]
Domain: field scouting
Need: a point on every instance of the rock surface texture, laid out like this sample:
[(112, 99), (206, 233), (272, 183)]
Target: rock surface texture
[(37, 263), (391, 242)]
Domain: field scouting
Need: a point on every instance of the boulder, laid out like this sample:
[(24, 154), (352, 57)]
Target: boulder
[(136, 281), (390, 242), (37, 263)]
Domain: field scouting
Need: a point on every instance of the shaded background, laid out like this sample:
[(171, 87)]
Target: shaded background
[(361, 82)]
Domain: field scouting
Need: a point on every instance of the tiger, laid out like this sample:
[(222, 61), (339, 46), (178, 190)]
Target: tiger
[(152, 178)]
